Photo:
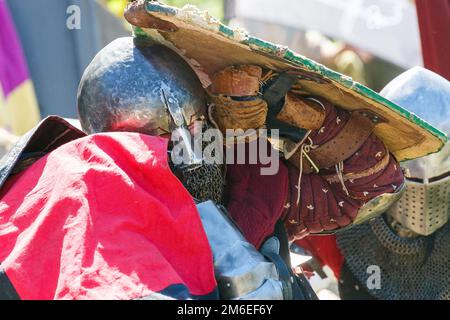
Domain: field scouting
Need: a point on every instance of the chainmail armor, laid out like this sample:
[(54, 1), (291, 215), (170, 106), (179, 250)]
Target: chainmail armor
[(206, 182), (411, 268)]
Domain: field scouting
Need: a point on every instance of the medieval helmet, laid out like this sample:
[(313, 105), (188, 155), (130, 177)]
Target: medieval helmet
[(425, 205), (138, 85), (129, 84)]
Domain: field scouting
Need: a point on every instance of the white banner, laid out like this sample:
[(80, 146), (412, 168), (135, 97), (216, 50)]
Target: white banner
[(386, 28)]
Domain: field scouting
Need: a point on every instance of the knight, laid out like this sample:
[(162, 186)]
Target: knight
[(409, 245), (111, 208), (110, 213)]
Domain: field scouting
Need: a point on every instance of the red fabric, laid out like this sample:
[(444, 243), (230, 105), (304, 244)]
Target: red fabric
[(255, 201), (102, 217), (326, 206), (325, 250), (434, 24)]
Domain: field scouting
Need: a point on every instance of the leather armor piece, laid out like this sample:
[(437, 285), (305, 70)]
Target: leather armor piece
[(301, 112), (48, 135), (355, 132), (237, 81), (231, 114)]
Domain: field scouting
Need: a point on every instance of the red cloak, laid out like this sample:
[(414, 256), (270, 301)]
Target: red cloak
[(103, 217)]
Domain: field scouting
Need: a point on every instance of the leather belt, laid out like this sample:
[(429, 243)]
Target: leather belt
[(349, 140), (379, 166)]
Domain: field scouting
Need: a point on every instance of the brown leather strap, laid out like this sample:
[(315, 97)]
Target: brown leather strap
[(355, 132), (301, 112), (379, 166)]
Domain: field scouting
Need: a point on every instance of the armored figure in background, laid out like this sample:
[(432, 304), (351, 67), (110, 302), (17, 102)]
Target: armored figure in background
[(405, 253)]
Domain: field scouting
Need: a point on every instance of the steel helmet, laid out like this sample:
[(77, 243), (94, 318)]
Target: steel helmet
[(425, 204), (128, 85)]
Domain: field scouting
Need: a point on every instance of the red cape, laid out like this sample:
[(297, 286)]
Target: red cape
[(103, 217)]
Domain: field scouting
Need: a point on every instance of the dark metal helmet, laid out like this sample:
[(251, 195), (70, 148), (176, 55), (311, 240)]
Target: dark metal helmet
[(130, 85)]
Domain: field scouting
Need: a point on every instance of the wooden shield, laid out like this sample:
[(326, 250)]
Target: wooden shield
[(210, 46)]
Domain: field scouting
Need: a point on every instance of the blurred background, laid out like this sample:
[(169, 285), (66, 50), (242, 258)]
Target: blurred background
[(45, 46)]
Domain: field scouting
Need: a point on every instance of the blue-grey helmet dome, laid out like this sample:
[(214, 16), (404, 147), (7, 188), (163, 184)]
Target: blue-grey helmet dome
[(122, 88)]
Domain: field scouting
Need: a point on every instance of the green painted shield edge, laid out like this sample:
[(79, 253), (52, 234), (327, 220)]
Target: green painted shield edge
[(297, 59)]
